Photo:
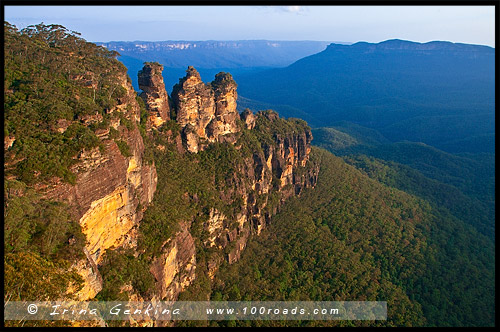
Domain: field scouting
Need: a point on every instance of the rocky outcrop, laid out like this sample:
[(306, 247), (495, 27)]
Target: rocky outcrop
[(112, 189), (206, 112), (267, 179), (175, 268), (109, 190), (249, 118), (225, 97), (290, 152), (193, 101), (8, 141), (90, 273), (210, 204), (154, 94)]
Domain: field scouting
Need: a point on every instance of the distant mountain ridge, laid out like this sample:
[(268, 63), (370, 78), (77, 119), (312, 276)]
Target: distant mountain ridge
[(211, 57), (399, 44), (205, 44), (439, 93), (229, 54)]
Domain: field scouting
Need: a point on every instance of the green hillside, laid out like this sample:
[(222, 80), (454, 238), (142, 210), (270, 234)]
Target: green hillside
[(354, 238), (463, 183)]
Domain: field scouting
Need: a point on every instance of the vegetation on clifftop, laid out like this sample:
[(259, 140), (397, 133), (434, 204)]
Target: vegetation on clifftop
[(54, 82), (55, 79), (40, 241)]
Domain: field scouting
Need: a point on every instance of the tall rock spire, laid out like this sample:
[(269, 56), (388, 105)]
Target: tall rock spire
[(194, 102), (225, 101), (205, 111), (154, 94)]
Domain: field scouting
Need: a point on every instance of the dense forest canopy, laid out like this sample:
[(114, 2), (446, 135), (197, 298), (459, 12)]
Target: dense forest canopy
[(463, 183), (399, 222), (53, 77), (354, 238)]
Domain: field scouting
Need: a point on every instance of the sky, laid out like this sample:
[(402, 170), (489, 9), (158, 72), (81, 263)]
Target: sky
[(464, 24)]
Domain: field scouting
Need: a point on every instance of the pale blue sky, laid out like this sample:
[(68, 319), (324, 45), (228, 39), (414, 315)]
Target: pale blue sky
[(465, 24)]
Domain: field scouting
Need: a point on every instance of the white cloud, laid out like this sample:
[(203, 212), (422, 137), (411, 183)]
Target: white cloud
[(284, 9), (293, 9)]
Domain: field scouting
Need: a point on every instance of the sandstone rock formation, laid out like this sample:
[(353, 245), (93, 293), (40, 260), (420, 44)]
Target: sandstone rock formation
[(108, 191), (210, 204), (174, 269), (8, 141), (205, 112), (154, 94), (90, 273), (283, 161), (249, 118), (113, 190), (225, 96)]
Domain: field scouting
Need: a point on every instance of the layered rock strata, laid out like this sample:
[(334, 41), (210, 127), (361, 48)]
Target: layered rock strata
[(206, 112), (154, 95), (175, 268), (109, 190), (273, 175), (112, 190)]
